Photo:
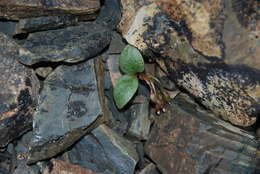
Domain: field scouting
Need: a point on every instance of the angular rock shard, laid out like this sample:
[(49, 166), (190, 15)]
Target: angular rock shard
[(72, 44), (69, 107), (187, 140), (231, 92), (18, 92), (105, 151), (61, 167), (12, 9)]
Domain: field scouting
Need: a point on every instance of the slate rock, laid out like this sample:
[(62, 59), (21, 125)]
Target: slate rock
[(34, 8), (110, 14), (187, 139), (29, 25), (229, 91), (164, 28), (140, 121), (72, 44), (150, 169), (18, 92), (105, 151), (8, 27), (61, 167), (69, 107)]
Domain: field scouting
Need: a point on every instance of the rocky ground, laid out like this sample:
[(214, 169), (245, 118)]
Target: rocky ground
[(59, 64)]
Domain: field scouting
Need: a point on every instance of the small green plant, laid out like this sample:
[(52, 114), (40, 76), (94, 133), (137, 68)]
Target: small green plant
[(131, 64)]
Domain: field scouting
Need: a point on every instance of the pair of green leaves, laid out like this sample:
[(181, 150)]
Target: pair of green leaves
[(130, 62)]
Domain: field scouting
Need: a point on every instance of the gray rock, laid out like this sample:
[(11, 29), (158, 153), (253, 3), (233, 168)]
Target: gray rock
[(18, 92), (105, 151), (69, 106), (43, 23), (110, 14), (8, 27), (140, 125), (150, 169), (72, 44), (117, 45), (23, 168)]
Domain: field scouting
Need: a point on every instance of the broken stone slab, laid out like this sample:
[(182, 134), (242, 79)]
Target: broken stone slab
[(147, 27), (29, 25), (204, 26), (140, 122), (187, 139), (70, 105), (105, 151), (229, 91), (72, 44), (110, 14), (61, 167), (19, 88), (150, 169), (34, 8)]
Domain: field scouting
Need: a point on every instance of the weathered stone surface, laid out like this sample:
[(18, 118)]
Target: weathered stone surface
[(29, 25), (61, 167), (213, 28), (146, 26), (72, 44), (110, 14), (230, 92), (69, 107), (150, 169), (8, 27), (140, 122), (13, 9), (241, 33), (203, 19), (105, 151), (187, 140), (43, 71), (18, 92)]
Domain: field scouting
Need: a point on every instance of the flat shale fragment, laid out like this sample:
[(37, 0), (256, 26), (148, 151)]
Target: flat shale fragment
[(186, 140), (72, 44), (13, 9), (18, 92), (104, 151), (231, 92), (29, 25), (69, 107)]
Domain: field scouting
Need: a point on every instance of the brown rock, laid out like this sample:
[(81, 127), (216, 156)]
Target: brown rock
[(19, 88), (61, 167), (147, 27), (204, 21), (241, 33), (34, 8), (189, 140), (231, 92)]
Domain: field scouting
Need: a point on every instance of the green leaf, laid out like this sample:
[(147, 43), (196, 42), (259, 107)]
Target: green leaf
[(125, 89), (131, 61)]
